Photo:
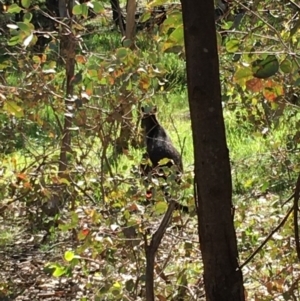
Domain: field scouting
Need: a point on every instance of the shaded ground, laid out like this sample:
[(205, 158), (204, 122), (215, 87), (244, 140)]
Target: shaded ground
[(22, 274)]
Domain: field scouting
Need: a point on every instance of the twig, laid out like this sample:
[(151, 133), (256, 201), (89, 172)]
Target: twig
[(270, 27), (181, 143), (297, 6), (83, 191), (267, 238), (152, 248)]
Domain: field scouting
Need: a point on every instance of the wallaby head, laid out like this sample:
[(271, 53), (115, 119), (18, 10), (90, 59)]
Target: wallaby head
[(149, 120)]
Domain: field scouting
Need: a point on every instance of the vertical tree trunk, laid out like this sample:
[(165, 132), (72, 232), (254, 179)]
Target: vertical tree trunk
[(222, 276), (130, 22), (68, 46), (117, 15)]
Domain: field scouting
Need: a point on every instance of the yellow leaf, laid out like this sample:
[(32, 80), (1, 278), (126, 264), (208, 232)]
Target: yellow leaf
[(12, 108)]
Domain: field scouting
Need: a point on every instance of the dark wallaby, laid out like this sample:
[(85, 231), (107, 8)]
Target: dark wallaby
[(158, 143), (159, 146)]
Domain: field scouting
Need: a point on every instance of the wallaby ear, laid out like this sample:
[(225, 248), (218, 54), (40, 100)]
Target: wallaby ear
[(154, 110), (143, 109)]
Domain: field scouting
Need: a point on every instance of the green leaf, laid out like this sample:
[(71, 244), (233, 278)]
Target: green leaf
[(232, 45), (49, 269), (14, 8), (160, 207), (242, 75), (14, 41), (59, 271), (174, 19), (122, 52), (265, 68), (12, 108), (85, 10), (227, 25), (69, 255), (286, 66), (77, 9), (164, 161), (177, 35), (55, 269), (64, 181), (25, 3), (129, 86), (116, 288), (103, 81), (157, 3), (127, 43), (24, 26), (93, 73), (27, 17), (97, 6), (236, 57), (145, 17)]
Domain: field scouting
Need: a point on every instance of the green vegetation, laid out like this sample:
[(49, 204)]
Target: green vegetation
[(105, 209)]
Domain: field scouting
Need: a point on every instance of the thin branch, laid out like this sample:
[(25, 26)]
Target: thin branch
[(152, 249), (267, 238), (271, 27)]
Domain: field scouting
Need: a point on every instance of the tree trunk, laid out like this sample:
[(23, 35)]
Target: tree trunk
[(67, 46), (213, 189), (130, 22), (117, 15)]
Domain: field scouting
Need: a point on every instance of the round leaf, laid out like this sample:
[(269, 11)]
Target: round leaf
[(121, 52), (286, 66), (232, 45), (265, 68), (25, 3), (69, 255), (14, 8), (24, 26), (161, 207), (242, 74), (97, 7), (27, 17), (77, 9)]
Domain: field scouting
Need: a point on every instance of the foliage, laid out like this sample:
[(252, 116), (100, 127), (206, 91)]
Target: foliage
[(106, 209)]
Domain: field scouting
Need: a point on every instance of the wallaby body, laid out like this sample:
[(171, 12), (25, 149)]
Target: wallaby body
[(159, 146), (158, 143)]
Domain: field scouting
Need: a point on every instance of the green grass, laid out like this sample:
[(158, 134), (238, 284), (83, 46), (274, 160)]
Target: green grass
[(8, 234)]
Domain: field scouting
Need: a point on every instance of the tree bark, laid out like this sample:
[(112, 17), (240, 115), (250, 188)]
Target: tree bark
[(213, 189), (117, 15), (130, 22), (67, 47)]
